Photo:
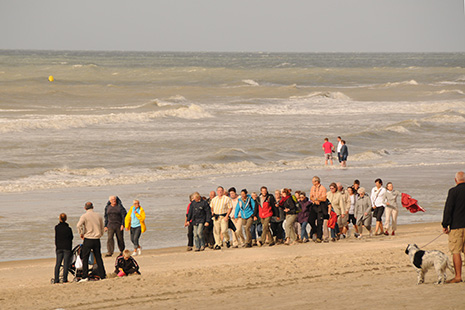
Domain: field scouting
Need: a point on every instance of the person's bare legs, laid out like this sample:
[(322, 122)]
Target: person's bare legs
[(379, 226), (457, 259)]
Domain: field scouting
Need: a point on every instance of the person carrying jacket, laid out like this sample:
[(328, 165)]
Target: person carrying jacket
[(135, 222), (114, 216)]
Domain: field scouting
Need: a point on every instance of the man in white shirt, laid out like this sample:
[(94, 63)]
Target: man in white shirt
[(338, 149), (378, 198), (221, 207)]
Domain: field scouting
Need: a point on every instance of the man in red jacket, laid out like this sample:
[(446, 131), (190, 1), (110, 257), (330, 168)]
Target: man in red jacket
[(265, 211)]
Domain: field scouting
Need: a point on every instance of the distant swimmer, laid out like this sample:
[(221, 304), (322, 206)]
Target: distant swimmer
[(328, 148)]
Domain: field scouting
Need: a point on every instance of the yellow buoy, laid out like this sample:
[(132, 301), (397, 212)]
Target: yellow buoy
[(50, 78)]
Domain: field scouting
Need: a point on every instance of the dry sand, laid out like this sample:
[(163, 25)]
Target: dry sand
[(370, 273)]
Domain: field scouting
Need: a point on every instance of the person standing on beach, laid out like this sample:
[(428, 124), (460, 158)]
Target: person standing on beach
[(338, 149), (256, 228), (343, 154), (453, 223), (328, 148), (303, 215), (221, 207), (63, 246), (363, 212), (391, 209), (277, 219), (199, 211), (338, 206), (190, 228), (208, 230), (319, 209), (346, 200), (378, 198), (246, 207), (352, 219), (356, 186), (90, 228), (238, 236), (265, 213), (114, 216), (135, 222), (288, 205)]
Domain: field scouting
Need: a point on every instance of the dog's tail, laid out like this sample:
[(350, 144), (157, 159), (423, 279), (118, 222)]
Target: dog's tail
[(450, 266)]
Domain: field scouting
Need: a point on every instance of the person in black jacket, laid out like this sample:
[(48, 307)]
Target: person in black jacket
[(114, 216), (126, 264), (344, 154), (199, 216), (453, 223), (63, 244)]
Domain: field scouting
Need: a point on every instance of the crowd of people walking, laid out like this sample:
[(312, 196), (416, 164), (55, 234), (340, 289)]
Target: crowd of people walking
[(236, 219), (232, 219)]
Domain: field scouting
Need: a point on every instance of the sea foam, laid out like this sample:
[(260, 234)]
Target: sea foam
[(61, 122)]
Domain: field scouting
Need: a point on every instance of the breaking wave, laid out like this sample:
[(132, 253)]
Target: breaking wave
[(251, 82), (330, 95), (449, 91), (396, 84), (61, 122)]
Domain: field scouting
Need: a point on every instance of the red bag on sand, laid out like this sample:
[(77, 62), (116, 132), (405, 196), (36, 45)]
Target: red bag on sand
[(332, 220), (411, 204)]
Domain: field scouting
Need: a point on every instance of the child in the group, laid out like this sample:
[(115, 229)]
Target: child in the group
[(126, 264)]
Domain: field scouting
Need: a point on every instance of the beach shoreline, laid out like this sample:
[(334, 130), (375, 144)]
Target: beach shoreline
[(374, 270)]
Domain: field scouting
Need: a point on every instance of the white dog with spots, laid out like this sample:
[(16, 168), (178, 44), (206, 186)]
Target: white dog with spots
[(422, 261)]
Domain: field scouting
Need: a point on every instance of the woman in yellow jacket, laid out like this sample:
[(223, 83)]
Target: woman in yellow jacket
[(135, 221)]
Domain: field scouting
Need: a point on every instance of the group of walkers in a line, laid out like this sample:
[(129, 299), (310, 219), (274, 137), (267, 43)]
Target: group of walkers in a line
[(91, 227), (289, 218)]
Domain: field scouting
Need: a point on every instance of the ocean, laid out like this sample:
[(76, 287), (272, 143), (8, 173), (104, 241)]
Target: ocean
[(158, 126)]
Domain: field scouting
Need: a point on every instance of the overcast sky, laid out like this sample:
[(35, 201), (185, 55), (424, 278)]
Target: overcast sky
[(223, 25)]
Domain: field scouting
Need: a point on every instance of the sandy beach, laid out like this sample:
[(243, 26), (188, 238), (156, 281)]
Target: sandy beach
[(372, 272)]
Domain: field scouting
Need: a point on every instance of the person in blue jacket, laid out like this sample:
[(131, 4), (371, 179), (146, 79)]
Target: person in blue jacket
[(246, 206)]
